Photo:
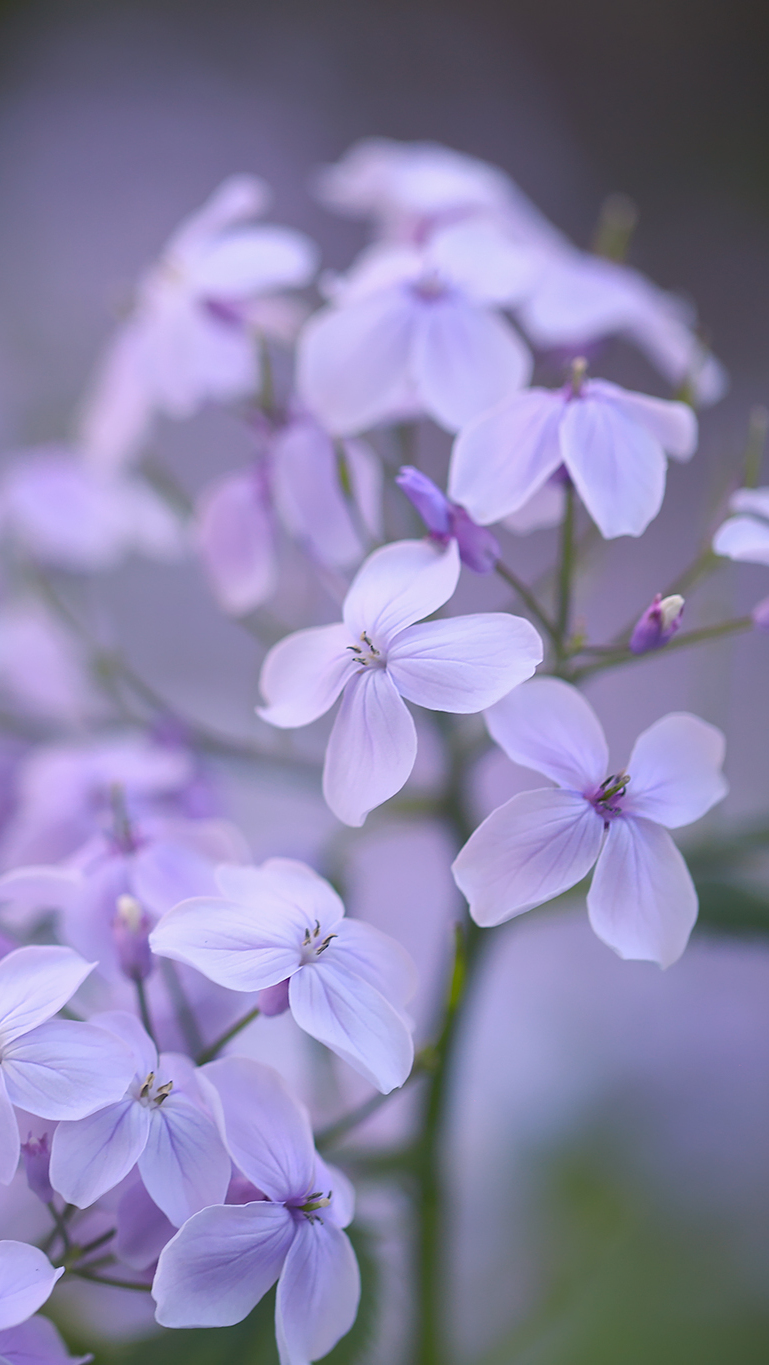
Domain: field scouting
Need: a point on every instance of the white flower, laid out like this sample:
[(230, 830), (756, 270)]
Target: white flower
[(642, 901), (378, 656), (745, 536)]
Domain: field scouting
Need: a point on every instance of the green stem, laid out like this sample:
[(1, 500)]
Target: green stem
[(332, 1134), (144, 1009), (61, 1226), (528, 598), (613, 659), (110, 1280), (213, 1050), (565, 574)]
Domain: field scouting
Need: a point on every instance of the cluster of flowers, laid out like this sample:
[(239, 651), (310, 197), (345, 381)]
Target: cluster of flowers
[(192, 1170)]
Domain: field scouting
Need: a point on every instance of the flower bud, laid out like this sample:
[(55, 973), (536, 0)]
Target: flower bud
[(446, 520), (432, 505), (274, 999), (36, 1155), (658, 624), (131, 930)]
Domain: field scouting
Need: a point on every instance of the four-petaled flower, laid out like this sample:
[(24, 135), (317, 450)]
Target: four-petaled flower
[(379, 656), (642, 901)]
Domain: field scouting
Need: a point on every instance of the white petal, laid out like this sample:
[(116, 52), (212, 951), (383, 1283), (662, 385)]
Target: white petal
[(674, 425), (65, 1070), (303, 675), (242, 947), (399, 584), (743, 538), (371, 750), (549, 726), (268, 1133), (481, 258), (466, 663), (377, 958), (26, 1280), (309, 896), (529, 850), (318, 1292), (465, 360), (675, 770), (131, 1032), (308, 493), (754, 500), (34, 984), (238, 197), (342, 1010), (329, 1178), (618, 467), (117, 413), (353, 362), (234, 538), (184, 1165), (9, 1137), (218, 1266), (504, 456), (93, 1155), (254, 261), (642, 901)]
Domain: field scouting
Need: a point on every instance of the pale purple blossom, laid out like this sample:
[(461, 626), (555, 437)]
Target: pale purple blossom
[(642, 900), (26, 1281), (445, 520), (745, 535), (658, 623), (159, 1125), (221, 1263), (377, 656), (417, 330), (347, 982), (36, 1342), (189, 338), (613, 444), (44, 671)]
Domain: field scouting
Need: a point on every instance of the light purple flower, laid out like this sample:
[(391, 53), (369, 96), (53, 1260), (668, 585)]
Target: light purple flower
[(221, 1263), (297, 484), (188, 340), (642, 901), (55, 1068), (36, 1159), (415, 331), (36, 1342), (26, 1280), (347, 982), (377, 656), (613, 444), (478, 548), (159, 1124), (43, 668), (745, 536), (658, 624)]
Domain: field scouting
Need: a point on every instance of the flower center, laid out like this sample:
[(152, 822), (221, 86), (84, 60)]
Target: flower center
[(313, 945), (313, 1202), (607, 801), (152, 1096), (366, 653), (430, 286)]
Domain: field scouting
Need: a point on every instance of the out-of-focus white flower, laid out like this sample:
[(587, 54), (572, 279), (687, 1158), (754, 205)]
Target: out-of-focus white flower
[(417, 330), (43, 669), (189, 338), (745, 536)]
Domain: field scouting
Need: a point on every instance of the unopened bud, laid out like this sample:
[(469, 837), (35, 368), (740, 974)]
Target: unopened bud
[(446, 520), (36, 1155), (274, 999), (131, 929), (658, 624)]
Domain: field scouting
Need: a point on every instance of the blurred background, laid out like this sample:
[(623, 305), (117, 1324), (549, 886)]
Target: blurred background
[(609, 1155)]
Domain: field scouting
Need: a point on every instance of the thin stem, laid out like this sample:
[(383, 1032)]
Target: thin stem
[(213, 1050), (332, 1134), (565, 572), (110, 1280), (144, 1009), (61, 1225), (96, 1243), (527, 597), (185, 1015), (692, 637)]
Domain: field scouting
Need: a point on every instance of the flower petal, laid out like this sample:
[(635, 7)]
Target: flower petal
[(372, 747), (93, 1155), (344, 1011), (66, 1070), (330, 1180), (268, 1133), (26, 1280), (527, 851), (642, 901), (743, 538), (353, 361), (399, 584), (618, 467), (466, 359), (675, 770), (308, 493), (481, 258), (549, 726), (255, 260), (376, 958), (34, 984), (142, 1230), (218, 1266), (311, 896), (9, 1137), (504, 456), (234, 537), (674, 425), (242, 947), (466, 663), (303, 675), (318, 1292), (184, 1165)]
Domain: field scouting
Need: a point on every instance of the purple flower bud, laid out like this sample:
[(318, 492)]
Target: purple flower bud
[(131, 930), (274, 999), (658, 624), (36, 1155), (478, 548), (760, 614)]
